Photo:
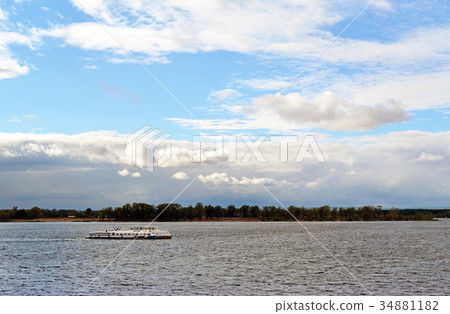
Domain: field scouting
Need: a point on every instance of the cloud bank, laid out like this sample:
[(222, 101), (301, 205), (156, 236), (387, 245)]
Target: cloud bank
[(407, 169)]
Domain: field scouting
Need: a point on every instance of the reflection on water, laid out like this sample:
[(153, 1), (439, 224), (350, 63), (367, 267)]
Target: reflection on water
[(228, 258)]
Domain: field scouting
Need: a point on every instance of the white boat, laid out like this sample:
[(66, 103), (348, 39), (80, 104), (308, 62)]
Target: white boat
[(139, 233)]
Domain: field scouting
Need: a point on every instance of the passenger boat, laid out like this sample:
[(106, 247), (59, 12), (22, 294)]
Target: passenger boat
[(139, 233)]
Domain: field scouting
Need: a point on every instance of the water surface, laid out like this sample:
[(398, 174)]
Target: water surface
[(228, 258)]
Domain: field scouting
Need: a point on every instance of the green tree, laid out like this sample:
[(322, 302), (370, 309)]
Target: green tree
[(199, 211), (106, 212), (5, 215), (254, 212), (35, 213), (231, 211), (244, 211), (324, 213)]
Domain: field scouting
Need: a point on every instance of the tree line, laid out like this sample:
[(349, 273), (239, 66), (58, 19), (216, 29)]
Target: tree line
[(177, 212)]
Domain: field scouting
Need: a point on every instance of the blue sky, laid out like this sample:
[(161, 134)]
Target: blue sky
[(76, 78)]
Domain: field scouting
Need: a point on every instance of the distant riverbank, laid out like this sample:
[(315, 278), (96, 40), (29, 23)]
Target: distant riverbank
[(141, 212), (50, 220), (121, 221)]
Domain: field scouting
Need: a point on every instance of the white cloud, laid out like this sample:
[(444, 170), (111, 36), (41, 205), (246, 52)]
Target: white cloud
[(123, 172), (97, 147), (3, 15), (293, 30), (311, 185), (146, 60), (91, 67), (427, 45), (9, 37), (29, 116), (327, 111), (429, 157), (219, 124), (15, 119), (221, 95), (293, 112), (266, 84), (184, 26), (180, 176), (383, 5), (97, 8), (10, 68), (416, 91), (216, 178), (126, 173), (223, 178), (119, 93)]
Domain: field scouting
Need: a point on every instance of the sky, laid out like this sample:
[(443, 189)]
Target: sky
[(292, 102)]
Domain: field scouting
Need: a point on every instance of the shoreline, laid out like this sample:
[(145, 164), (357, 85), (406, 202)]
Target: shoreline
[(44, 220), (122, 221)]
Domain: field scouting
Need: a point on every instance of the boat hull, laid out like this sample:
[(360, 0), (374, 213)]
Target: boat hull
[(162, 237), (134, 233)]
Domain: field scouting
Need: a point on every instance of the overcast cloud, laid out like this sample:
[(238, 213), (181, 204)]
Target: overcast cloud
[(397, 169)]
